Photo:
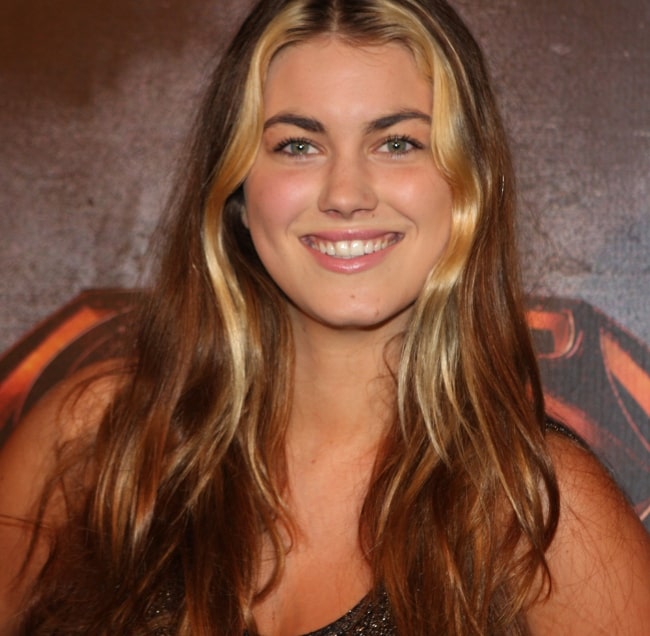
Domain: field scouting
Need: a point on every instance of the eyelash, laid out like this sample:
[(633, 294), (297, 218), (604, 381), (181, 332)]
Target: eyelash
[(402, 138), (282, 145), (416, 145)]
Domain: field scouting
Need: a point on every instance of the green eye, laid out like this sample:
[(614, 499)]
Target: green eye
[(298, 148), (295, 147), (400, 145)]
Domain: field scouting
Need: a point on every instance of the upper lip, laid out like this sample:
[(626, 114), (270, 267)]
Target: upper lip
[(350, 235)]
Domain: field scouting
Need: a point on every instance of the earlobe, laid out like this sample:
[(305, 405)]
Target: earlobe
[(244, 217)]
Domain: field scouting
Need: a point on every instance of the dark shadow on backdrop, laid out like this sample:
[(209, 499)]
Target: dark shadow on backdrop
[(63, 49)]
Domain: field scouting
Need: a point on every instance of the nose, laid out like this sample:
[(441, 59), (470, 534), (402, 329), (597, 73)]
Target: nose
[(347, 187)]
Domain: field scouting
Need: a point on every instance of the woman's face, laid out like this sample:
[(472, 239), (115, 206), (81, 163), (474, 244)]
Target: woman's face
[(344, 203)]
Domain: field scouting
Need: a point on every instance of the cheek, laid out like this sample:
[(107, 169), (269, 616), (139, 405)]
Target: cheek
[(426, 199), (274, 199)]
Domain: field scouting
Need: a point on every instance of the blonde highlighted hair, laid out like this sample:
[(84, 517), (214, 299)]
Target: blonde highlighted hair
[(190, 458)]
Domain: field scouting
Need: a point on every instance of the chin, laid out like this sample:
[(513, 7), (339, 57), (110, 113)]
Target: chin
[(362, 319)]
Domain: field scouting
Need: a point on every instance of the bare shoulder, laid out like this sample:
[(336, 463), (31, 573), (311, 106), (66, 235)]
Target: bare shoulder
[(71, 411), (600, 557)]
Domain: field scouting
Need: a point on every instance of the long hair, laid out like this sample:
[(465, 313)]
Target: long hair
[(189, 460)]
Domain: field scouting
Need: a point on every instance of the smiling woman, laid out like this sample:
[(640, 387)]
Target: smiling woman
[(345, 205), (332, 418)]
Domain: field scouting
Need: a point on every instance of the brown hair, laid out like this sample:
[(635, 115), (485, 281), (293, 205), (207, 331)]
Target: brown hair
[(190, 458)]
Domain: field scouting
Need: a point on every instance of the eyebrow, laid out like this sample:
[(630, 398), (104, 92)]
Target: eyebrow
[(306, 123), (314, 126), (390, 120)]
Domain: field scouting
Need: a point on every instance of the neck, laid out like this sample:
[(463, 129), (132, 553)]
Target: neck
[(344, 391)]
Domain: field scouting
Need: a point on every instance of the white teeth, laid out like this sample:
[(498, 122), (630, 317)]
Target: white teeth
[(343, 248), (357, 248), (354, 248)]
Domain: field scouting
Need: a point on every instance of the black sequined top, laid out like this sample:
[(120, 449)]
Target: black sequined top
[(370, 617)]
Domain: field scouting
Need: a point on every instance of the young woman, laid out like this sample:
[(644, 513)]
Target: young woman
[(332, 421)]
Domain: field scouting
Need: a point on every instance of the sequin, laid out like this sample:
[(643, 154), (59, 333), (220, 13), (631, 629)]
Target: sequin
[(371, 617)]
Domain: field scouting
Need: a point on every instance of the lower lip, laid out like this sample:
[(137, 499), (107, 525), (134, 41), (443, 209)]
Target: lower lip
[(350, 265)]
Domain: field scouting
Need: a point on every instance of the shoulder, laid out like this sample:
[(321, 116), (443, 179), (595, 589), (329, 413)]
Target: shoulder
[(69, 413), (599, 559)]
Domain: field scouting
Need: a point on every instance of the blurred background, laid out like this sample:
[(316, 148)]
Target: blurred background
[(96, 99)]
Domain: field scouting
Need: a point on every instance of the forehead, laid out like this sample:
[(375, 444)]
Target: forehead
[(329, 71)]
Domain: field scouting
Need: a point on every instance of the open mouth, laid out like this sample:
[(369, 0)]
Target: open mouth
[(353, 248)]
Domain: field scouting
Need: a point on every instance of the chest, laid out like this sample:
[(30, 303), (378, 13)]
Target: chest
[(325, 573)]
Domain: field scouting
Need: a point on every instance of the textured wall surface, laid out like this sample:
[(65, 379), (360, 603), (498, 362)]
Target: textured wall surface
[(574, 82), (95, 101)]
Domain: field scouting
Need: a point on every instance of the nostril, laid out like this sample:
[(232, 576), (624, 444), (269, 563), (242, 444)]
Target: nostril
[(346, 192)]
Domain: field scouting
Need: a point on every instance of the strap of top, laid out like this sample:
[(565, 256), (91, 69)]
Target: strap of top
[(561, 428)]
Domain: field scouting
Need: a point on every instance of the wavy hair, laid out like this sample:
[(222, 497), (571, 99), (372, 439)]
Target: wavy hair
[(189, 461)]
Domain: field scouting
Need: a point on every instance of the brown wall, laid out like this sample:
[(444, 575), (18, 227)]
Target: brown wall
[(95, 99)]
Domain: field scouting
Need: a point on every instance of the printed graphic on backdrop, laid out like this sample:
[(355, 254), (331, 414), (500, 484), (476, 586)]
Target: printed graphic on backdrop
[(596, 375)]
